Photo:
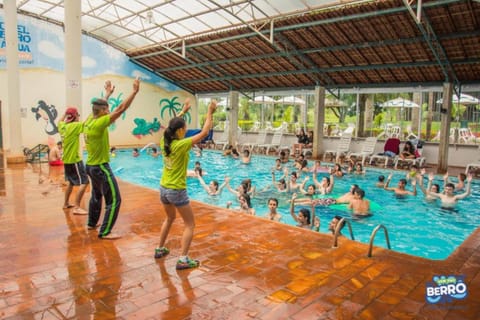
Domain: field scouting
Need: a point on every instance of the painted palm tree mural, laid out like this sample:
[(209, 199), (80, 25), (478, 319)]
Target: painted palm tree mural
[(144, 128), (114, 103), (173, 107)]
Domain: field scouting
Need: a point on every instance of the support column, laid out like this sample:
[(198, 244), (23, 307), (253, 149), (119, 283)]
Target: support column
[(233, 118), (13, 141), (319, 120), (73, 54), (417, 114), (445, 128)]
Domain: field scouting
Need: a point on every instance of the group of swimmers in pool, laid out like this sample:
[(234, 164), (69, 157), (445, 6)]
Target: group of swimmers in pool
[(315, 193)]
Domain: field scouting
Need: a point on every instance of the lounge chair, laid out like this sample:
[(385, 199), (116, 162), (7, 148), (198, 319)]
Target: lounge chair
[(343, 147), (274, 144), (368, 148), (418, 161), (260, 140), (391, 149), (222, 141)]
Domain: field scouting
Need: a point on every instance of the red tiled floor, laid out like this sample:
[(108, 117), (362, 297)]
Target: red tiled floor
[(51, 267)]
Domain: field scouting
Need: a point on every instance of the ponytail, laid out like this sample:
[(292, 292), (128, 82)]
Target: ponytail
[(170, 133)]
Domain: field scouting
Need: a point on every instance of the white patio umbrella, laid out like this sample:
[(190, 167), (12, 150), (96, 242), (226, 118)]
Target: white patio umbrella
[(263, 100), (291, 100), (401, 103), (464, 99)]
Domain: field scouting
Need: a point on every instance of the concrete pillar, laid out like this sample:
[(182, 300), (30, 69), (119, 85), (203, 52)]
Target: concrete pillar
[(13, 137), (319, 120), (73, 54), (431, 107), (368, 121), (233, 117), (416, 113), (445, 128)]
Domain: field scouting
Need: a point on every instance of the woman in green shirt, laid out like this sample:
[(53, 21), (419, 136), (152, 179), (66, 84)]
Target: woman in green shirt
[(173, 185)]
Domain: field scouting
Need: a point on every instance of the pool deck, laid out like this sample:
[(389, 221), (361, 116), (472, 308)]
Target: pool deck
[(52, 267)]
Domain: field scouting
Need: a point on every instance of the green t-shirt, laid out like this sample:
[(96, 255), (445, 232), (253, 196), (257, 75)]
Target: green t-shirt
[(95, 131), (70, 133), (174, 174)]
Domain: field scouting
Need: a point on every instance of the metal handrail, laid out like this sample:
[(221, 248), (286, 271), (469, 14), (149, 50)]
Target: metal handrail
[(337, 231), (372, 236)]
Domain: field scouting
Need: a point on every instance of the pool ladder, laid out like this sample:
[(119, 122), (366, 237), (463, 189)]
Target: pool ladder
[(337, 231), (372, 237)]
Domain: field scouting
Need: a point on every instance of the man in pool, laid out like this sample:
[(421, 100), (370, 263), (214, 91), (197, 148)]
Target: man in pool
[(333, 225), (360, 207), (104, 184), (400, 189), (448, 198)]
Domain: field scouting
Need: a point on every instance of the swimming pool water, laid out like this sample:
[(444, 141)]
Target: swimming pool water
[(415, 226)]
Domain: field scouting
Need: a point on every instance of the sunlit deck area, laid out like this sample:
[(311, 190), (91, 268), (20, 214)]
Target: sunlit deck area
[(52, 267)]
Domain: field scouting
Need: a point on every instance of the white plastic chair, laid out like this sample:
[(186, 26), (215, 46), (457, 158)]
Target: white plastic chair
[(465, 135), (274, 144), (368, 148), (260, 140), (343, 147)]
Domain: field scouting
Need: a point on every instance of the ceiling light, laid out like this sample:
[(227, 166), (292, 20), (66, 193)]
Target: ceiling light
[(150, 18)]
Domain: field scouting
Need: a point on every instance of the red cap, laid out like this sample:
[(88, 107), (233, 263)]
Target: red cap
[(70, 114)]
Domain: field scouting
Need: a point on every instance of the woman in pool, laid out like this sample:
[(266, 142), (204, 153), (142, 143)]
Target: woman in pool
[(173, 185), (337, 170), (326, 185), (304, 216), (213, 188), (245, 204), (431, 187)]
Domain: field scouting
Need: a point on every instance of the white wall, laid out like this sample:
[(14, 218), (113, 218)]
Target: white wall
[(459, 155)]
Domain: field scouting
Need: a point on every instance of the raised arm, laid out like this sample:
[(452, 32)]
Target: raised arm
[(126, 103), (109, 89), (204, 185), (212, 107), (332, 182), (229, 187), (469, 188), (445, 179), (302, 186), (388, 182), (292, 207), (414, 185)]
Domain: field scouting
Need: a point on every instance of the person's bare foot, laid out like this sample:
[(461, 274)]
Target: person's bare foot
[(80, 211), (68, 206), (111, 236)]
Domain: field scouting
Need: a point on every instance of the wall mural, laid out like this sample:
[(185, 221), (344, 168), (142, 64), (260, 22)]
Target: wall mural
[(173, 107), (48, 114), (144, 128)]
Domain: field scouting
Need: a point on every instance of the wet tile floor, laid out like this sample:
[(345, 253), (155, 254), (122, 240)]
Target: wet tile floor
[(51, 267)]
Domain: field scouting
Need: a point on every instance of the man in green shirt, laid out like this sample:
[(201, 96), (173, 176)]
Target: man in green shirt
[(104, 184), (70, 129)]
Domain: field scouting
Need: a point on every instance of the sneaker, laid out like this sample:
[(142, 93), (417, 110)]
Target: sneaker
[(190, 263), (161, 252)]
